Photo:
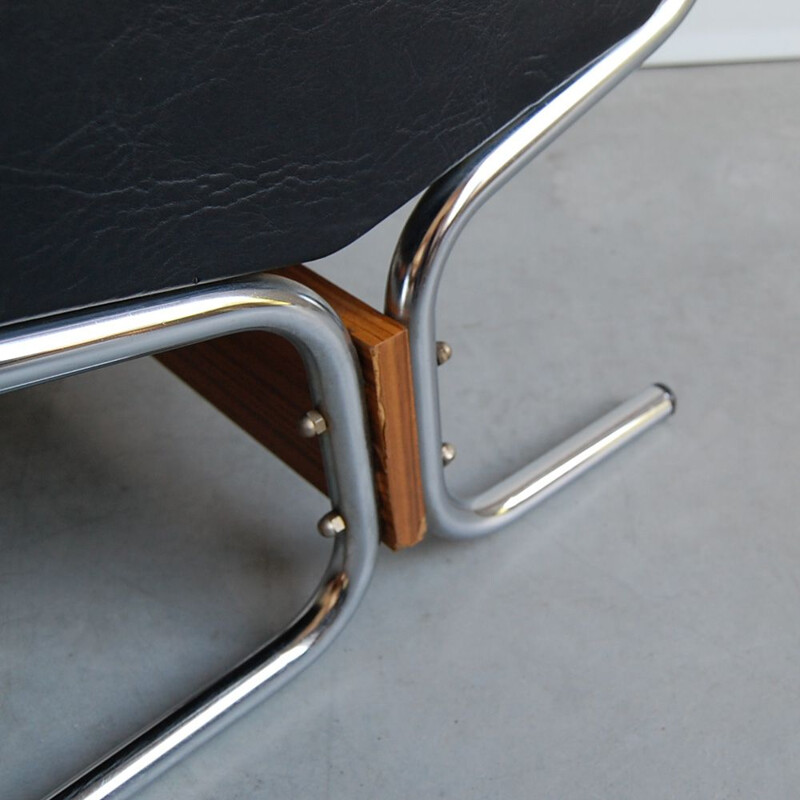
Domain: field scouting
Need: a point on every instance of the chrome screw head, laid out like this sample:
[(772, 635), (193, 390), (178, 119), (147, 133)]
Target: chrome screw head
[(331, 524), (448, 453), (443, 353), (313, 424)]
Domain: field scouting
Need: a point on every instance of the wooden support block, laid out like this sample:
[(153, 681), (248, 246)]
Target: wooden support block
[(258, 380)]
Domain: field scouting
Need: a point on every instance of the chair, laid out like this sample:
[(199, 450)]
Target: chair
[(160, 163)]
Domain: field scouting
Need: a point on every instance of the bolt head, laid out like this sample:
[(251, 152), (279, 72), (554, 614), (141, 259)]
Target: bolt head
[(331, 524), (443, 353), (313, 424), (448, 453)]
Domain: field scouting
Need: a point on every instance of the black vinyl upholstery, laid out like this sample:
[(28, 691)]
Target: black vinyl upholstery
[(149, 145)]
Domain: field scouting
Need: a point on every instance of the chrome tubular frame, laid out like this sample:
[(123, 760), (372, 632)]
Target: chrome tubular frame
[(65, 345), (417, 267)]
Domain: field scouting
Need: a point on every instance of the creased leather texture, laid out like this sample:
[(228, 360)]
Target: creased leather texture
[(149, 145)]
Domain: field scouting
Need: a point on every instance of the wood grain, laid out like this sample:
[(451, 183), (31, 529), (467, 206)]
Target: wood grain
[(258, 380)]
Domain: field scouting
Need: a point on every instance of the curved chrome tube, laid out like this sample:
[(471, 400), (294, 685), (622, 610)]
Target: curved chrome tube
[(74, 343), (418, 263)]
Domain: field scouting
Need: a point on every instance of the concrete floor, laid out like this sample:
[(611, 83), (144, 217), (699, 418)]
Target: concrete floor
[(638, 636)]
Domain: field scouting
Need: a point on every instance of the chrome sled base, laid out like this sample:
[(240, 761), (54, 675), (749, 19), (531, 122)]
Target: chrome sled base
[(60, 346)]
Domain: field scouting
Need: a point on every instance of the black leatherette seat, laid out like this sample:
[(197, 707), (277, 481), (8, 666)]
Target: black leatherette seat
[(150, 145)]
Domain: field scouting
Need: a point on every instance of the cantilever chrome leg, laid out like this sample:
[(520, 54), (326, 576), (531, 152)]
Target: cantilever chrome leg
[(74, 343), (417, 267)]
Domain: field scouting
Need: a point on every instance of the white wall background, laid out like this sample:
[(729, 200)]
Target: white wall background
[(735, 30)]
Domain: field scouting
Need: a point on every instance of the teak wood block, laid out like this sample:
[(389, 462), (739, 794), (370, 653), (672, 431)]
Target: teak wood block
[(258, 380)]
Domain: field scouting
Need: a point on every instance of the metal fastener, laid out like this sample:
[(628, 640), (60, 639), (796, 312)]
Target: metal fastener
[(443, 353), (331, 524), (448, 453), (313, 424)]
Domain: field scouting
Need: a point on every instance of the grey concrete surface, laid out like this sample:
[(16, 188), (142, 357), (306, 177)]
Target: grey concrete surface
[(638, 636)]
